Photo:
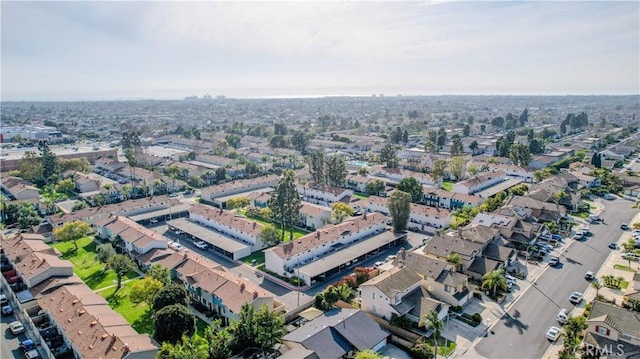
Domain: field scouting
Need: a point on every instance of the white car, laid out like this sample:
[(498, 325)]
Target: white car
[(16, 328), (575, 298), (178, 247), (553, 333), (202, 245), (511, 279), (631, 256)]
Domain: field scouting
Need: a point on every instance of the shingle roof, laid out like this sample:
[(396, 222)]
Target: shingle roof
[(394, 281), (621, 319), (227, 218)]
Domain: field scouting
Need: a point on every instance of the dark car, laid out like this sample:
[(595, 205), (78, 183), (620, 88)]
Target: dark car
[(613, 245), (55, 342), (49, 332), (28, 345), (7, 310), (589, 276), (624, 226)]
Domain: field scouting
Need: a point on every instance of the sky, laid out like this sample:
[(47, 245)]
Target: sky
[(124, 50)]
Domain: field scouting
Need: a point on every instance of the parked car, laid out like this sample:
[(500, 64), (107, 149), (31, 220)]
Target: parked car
[(378, 264), (631, 256), (553, 333), (557, 237), (624, 226), (589, 276), (16, 328), (613, 245), (554, 261), (202, 245), (575, 298), (577, 236), (3, 299), (563, 316), (7, 310), (510, 279), (28, 345)]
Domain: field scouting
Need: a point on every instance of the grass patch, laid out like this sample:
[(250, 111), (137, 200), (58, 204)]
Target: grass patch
[(85, 266), (624, 284), (137, 315), (257, 256), (360, 195), (201, 325), (624, 268), (448, 185), (445, 351), (582, 214), (297, 233)]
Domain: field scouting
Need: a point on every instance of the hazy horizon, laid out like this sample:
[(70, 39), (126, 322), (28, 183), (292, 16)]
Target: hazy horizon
[(70, 51)]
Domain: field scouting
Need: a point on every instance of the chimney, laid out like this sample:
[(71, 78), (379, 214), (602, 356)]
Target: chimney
[(242, 286), (113, 338), (255, 294), (125, 349)]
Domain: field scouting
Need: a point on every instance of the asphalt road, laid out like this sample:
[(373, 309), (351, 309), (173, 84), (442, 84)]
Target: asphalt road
[(521, 331), (10, 344)]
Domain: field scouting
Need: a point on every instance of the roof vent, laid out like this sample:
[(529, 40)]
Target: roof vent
[(93, 323), (74, 301), (104, 336)]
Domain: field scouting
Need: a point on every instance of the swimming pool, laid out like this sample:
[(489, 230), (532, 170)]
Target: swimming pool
[(358, 163)]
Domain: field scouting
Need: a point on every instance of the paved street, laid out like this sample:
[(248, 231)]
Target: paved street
[(520, 333), (10, 345)]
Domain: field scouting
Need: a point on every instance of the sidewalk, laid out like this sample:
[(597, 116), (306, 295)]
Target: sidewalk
[(607, 268)]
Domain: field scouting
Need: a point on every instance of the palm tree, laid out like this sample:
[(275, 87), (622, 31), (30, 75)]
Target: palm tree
[(431, 320), (620, 279), (608, 279), (494, 280), (597, 285)]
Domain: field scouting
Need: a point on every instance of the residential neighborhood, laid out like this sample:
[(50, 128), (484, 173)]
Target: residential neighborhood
[(446, 233)]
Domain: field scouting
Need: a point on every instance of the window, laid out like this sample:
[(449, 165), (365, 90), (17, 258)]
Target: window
[(447, 289), (602, 330), (625, 337)]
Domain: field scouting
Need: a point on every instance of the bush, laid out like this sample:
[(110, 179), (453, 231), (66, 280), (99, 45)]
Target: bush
[(477, 295), (477, 318), (296, 281)]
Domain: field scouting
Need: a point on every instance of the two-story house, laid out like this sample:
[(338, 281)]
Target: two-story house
[(323, 195), (136, 239), (612, 331), (421, 218), (228, 223), (314, 216), (479, 182)]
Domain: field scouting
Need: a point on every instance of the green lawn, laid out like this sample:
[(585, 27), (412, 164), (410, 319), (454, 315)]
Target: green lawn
[(258, 256), (623, 267), (360, 196), (85, 266), (297, 233), (448, 185), (136, 314)]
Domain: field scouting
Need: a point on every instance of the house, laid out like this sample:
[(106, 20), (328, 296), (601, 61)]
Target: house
[(89, 326), (612, 330), (479, 182), (136, 238), (33, 260), (83, 182), (19, 189), (399, 292), (555, 190), (259, 199), (357, 183), (510, 170), (440, 278), (210, 193), (541, 161), (395, 175), (514, 228), (220, 291), (283, 258), (579, 180), (109, 165), (313, 216), (323, 195), (420, 216), (437, 197), (228, 223), (540, 210), (338, 333)]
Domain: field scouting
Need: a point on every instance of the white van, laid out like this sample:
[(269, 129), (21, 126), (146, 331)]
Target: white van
[(563, 316)]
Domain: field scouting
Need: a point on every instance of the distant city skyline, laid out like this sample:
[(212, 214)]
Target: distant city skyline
[(170, 50)]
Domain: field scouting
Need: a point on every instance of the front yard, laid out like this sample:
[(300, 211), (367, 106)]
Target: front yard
[(138, 315), (85, 266), (448, 185)]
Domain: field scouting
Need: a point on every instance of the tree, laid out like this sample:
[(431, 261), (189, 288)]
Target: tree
[(30, 166), (169, 295), (336, 171), (597, 285), (233, 140), (519, 154), (300, 141), (280, 129), (374, 187), (388, 155), (536, 146), (454, 259), (596, 160), (473, 146), (160, 273), (145, 290), (458, 167), (411, 186), (270, 327), (457, 148), (172, 322), (132, 159), (437, 170), (442, 137), (71, 231), (278, 141), (27, 216), (104, 252), (524, 117), (269, 235), (121, 264), (316, 166), (238, 202), (466, 131), (572, 330), (48, 159), (194, 347), (495, 281), (340, 211), (368, 354), (220, 340), (285, 202), (399, 209), (431, 320), (244, 328)]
